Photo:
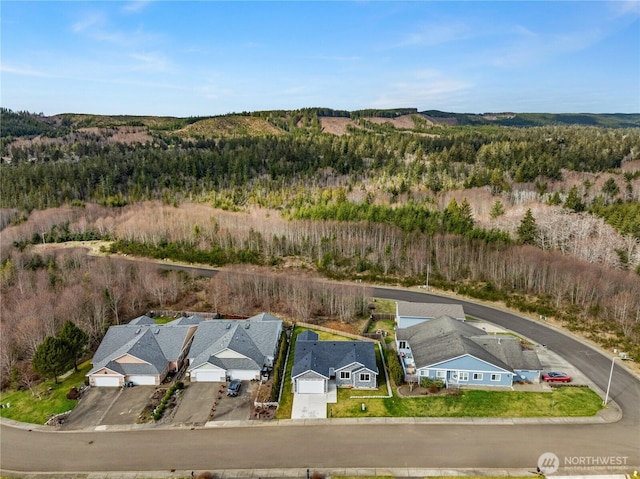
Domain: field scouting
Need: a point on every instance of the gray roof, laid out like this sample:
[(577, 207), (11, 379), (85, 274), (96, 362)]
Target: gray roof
[(188, 320), (255, 338), (430, 310), (154, 344), (445, 338), (144, 319), (322, 356)]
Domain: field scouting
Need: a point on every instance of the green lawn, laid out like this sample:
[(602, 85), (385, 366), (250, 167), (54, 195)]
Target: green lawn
[(26, 407), (562, 402)]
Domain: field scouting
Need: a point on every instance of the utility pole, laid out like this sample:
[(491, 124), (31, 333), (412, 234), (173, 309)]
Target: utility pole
[(606, 396), (426, 285)]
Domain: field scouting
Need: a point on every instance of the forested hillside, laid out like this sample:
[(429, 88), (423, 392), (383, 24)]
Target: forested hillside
[(539, 211)]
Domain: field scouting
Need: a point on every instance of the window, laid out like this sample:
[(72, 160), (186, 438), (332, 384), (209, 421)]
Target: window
[(365, 377), (463, 376), (424, 373), (402, 345), (477, 376), (345, 374), (441, 374), (495, 377)]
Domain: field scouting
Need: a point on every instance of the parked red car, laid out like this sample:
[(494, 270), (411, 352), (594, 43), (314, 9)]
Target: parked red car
[(556, 377)]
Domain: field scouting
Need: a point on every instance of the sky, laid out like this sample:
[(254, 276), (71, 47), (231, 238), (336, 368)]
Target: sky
[(200, 58)]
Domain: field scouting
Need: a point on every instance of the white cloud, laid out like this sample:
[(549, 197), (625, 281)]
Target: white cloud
[(150, 61), (136, 6), (436, 34), (25, 71), (426, 88), (89, 21)]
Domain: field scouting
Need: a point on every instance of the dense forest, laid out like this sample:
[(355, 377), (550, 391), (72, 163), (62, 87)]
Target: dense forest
[(539, 211)]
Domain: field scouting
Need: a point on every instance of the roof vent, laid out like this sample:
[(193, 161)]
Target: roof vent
[(246, 326), (138, 331), (228, 325), (156, 331)]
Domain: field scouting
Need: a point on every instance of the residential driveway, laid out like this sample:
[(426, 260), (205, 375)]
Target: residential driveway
[(128, 405), (312, 406), (91, 408), (235, 408), (196, 402), (309, 406)]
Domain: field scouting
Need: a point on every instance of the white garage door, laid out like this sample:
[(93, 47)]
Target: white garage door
[(106, 381), (311, 386), (208, 376), (142, 380), (244, 374)]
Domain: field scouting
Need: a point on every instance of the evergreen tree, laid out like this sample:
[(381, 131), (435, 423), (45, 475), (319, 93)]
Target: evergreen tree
[(76, 340), (528, 229), (497, 209), (52, 357), (573, 200)]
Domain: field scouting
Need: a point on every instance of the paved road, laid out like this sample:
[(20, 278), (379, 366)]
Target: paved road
[(485, 445)]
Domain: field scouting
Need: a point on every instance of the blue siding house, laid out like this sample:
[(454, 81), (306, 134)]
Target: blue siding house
[(409, 314), (462, 355), (350, 364)]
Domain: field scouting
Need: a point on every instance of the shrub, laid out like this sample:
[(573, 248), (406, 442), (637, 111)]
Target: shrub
[(395, 368), (431, 383)]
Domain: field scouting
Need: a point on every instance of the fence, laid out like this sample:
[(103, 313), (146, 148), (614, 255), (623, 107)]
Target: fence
[(333, 331)]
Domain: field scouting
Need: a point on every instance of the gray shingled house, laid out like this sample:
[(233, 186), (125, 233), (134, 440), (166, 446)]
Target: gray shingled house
[(144, 352), (409, 314), (460, 354), (234, 349), (141, 352), (349, 363)]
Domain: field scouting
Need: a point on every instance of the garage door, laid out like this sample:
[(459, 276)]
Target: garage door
[(244, 374), (205, 376), (311, 386), (142, 380), (106, 381)]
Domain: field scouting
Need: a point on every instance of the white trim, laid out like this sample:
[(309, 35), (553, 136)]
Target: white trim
[(434, 365), (496, 374), (474, 378), (463, 376), (365, 380), (345, 374)]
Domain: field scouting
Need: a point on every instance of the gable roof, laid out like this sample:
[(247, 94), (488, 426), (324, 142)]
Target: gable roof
[(322, 356), (445, 338), (255, 338), (155, 345), (429, 310)]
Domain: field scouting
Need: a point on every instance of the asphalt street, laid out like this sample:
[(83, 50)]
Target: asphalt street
[(480, 444)]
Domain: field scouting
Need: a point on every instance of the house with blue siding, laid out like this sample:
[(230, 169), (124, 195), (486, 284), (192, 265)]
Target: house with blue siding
[(409, 314), (460, 354), (349, 363)]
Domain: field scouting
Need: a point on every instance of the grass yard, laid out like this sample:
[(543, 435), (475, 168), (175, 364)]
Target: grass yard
[(562, 402), (26, 407)]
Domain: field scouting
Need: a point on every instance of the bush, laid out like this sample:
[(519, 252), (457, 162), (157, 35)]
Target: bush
[(395, 368), (278, 367), (431, 383), (73, 393), (179, 385)]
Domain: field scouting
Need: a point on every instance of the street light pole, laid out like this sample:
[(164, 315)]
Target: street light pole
[(426, 285), (606, 396)]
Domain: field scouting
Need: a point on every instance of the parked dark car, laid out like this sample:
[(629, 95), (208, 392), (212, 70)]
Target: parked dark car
[(556, 377), (234, 388)]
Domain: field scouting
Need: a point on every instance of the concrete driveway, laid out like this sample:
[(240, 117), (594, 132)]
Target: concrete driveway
[(91, 408), (196, 401), (313, 406), (128, 405), (236, 408), (109, 406)]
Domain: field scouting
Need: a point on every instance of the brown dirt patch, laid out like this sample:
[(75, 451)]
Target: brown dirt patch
[(335, 125)]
